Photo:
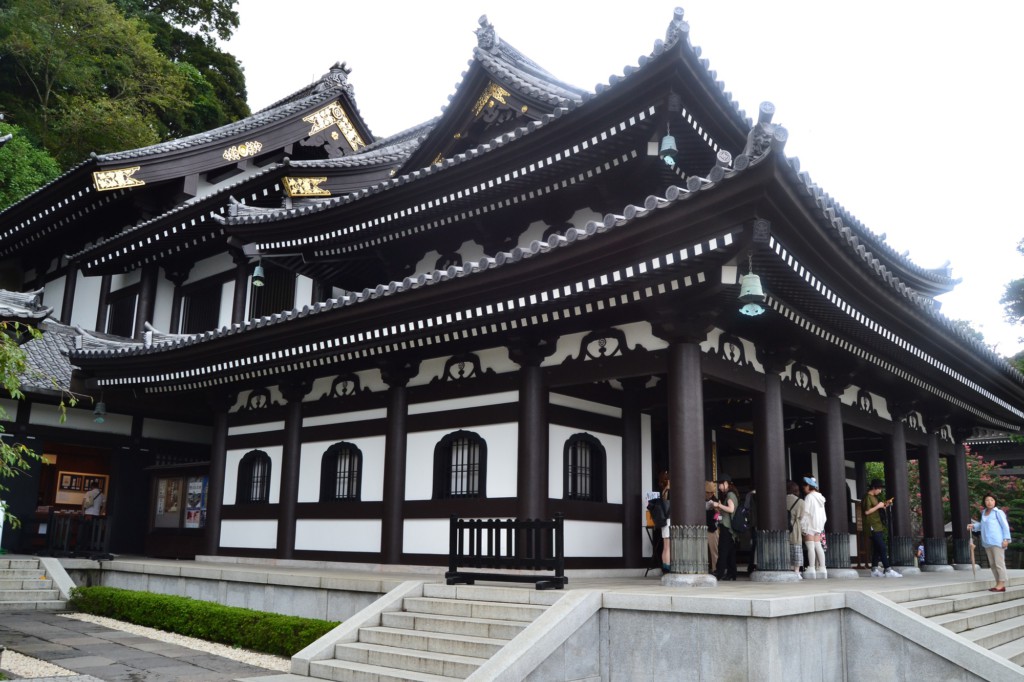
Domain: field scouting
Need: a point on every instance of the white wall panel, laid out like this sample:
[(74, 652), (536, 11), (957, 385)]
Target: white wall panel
[(593, 539), (338, 535), (242, 429), (261, 534), (346, 417), (53, 297), (234, 457), (371, 477), (502, 447), (87, 296), (558, 435), (456, 404), (425, 536)]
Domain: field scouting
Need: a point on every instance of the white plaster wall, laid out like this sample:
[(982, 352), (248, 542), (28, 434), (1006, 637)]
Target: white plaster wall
[(227, 303), (190, 433), (234, 457), (710, 345), (81, 419), (585, 405), (425, 536), (322, 385), (495, 359), (208, 267), (558, 435), (8, 409), (53, 296), (338, 535), (371, 476), (346, 417), (121, 280), (637, 333), (456, 404), (303, 291), (255, 428), (502, 446), (87, 297), (593, 539), (533, 232), (243, 398), (260, 534), (162, 304)]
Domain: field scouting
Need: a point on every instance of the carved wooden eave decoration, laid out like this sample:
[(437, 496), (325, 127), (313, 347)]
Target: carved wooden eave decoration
[(305, 186), (116, 178), (334, 115)]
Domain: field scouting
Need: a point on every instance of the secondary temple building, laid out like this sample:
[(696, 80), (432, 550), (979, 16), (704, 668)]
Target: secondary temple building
[(296, 340)]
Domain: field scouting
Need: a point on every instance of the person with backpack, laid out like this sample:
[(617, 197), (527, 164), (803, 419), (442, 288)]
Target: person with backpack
[(812, 525), (873, 505), (726, 567), (795, 509)]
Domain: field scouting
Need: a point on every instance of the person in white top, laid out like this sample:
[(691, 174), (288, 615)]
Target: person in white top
[(92, 503), (812, 525)]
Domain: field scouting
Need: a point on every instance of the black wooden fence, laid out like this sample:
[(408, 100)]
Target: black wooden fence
[(75, 534), (513, 544)]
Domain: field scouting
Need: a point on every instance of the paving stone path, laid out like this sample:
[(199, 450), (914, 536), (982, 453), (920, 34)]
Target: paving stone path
[(99, 653)]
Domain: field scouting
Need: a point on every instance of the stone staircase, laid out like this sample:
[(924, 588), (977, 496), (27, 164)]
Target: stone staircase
[(444, 635), (26, 586), (993, 620)]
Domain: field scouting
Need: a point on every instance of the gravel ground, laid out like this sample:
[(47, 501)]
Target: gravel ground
[(28, 667)]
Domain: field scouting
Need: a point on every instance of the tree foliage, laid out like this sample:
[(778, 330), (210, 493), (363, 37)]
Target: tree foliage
[(1013, 296), (15, 458), (23, 166), (79, 76)]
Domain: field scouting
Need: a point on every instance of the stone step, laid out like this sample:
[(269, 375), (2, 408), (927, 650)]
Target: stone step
[(997, 634), (962, 602), (983, 615), (26, 584), (350, 671), (473, 609), (22, 573), (47, 605), (453, 625), (449, 665), (28, 595), (509, 595), (6, 564), (436, 642), (1013, 651)]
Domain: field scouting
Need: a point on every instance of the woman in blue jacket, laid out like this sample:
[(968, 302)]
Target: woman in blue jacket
[(995, 538)]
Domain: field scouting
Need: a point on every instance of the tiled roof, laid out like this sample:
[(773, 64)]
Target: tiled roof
[(22, 306), (48, 359)]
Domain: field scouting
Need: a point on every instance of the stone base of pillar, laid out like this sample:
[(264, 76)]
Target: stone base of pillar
[(772, 551), (689, 579), (842, 573), (962, 551), (837, 554), (907, 571), (935, 568), (689, 550), (935, 554), (774, 577), (902, 551), (965, 567)]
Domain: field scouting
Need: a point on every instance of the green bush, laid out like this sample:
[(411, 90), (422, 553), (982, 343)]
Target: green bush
[(255, 630)]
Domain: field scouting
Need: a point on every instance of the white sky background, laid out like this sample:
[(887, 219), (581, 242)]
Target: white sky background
[(891, 106)]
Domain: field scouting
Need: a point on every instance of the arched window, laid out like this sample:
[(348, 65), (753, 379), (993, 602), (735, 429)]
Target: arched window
[(339, 472), (253, 478), (584, 470), (460, 466)]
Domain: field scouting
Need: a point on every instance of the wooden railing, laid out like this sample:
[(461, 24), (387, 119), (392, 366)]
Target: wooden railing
[(513, 545), (72, 533)]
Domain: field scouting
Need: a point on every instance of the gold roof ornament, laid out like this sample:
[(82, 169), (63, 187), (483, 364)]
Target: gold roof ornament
[(491, 94), (242, 151), (116, 178), (334, 114), (305, 187)]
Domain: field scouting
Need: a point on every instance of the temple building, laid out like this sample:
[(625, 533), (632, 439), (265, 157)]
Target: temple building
[(296, 340)]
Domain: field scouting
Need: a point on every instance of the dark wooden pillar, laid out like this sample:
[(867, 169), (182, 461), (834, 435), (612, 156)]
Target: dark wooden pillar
[(67, 306), (632, 451), (931, 500), (219, 403), (959, 500), (147, 299), (241, 287), (176, 275), (770, 470), (532, 469), (897, 486), (831, 445), (290, 460), (396, 375)]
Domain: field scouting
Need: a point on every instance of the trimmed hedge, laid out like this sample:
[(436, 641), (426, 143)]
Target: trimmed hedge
[(269, 633)]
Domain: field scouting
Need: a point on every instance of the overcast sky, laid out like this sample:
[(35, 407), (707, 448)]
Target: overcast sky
[(904, 111)]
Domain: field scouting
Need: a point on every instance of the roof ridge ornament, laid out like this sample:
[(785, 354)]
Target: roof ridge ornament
[(336, 76), (677, 28), (486, 38)]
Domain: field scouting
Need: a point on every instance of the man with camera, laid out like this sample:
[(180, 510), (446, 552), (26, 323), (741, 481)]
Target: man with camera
[(873, 523)]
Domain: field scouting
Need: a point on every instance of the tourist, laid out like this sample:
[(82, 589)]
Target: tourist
[(795, 507), (712, 519), (725, 569), (94, 499), (812, 525), (873, 506), (995, 538), (666, 545)]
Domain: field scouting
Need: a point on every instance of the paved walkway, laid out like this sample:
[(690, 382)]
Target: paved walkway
[(99, 653)]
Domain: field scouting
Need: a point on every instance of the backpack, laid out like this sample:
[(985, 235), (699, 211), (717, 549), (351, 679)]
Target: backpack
[(789, 516), (741, 517)]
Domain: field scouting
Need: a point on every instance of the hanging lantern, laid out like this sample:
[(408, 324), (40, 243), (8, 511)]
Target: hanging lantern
[(751, 295), (259, 278), (668, 150)]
